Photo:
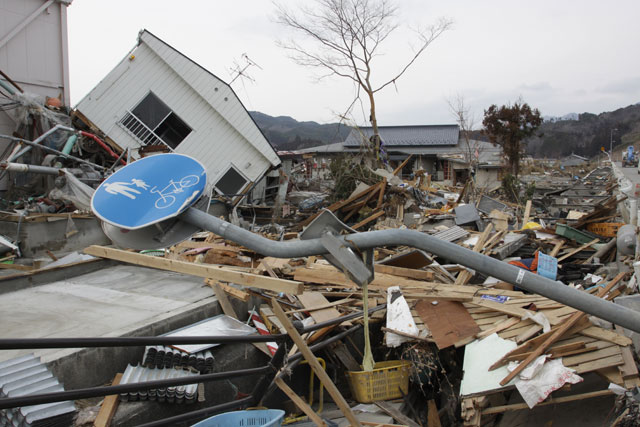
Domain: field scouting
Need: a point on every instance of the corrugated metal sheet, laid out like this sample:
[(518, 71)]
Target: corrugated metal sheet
[(175, 394), (408, 135), (452, 234), (166, 357), (27, 375)]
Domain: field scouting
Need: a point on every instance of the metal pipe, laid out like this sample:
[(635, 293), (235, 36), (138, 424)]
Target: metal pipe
[(31, 343), (38, 140), (528, 281), (7, 88), (102, 144), (52, 150), (22, 167), (113, 166), (293, 360), (10, 80), (86, 393), (68, 146)]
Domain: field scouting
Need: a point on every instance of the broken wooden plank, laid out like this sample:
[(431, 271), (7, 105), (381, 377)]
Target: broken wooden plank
[(404, 334), (299, 402), (312, 300), (370, 218), (433, 418), (314, 364), (383, 187), (223, 299), (340, 350), (321, 307), (219, 273), (402, 165), (465, 275), (340, 204), (575, 251), (629, 369), (527, 213), (556, 249), (499, 327), (396, 414), (409, 273), (108, 407), (270, 320), (557, 334), (606, 335), (549, 401), (234, 292)]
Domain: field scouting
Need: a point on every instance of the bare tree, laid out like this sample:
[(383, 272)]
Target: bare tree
[(466, 121), (343, 38)]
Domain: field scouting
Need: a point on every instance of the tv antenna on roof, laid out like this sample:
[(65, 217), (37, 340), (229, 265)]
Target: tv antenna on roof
[(238, 70)]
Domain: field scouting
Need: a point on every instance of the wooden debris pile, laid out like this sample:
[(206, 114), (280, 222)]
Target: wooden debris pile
[(453, 309)]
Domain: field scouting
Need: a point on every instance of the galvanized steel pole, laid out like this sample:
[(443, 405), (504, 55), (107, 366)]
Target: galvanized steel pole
[(557, 291)]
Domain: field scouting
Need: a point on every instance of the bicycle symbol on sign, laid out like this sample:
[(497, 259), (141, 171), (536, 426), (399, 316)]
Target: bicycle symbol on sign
[(167, 197)]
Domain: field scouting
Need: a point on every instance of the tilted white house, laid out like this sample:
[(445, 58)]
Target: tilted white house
[(156, 96)]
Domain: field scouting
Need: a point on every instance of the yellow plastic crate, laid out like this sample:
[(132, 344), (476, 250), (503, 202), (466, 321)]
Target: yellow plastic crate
[(383, 383)]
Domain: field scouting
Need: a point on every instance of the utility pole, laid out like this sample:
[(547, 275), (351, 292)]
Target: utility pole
[(611, 142)]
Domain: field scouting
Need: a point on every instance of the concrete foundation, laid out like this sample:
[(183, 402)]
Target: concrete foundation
[(39, 234)]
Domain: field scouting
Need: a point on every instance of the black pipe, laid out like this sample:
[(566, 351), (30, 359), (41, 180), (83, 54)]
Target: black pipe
[(85, 393), (30, 343), (352, 316), (292, 361), (26, 343)]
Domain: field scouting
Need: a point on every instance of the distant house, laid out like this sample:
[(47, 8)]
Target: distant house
[(427, 143), (157, 99), (437, 149)]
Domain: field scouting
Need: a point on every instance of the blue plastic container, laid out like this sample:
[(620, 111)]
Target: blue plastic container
[(258, 418)]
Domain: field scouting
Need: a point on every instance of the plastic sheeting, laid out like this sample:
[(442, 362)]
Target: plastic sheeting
[(74, 191), (399, 318)]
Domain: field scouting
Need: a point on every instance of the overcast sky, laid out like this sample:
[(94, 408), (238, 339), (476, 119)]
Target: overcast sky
[(559, 56)]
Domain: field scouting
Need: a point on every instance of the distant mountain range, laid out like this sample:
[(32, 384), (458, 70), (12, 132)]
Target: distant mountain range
[(586, 135), (286, 133), (575, 133)]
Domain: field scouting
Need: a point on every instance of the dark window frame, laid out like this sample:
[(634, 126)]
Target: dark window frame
[(223, 191), (171, 129)]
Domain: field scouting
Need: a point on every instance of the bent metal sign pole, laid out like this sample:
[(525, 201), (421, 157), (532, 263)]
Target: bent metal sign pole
[(153, 189)]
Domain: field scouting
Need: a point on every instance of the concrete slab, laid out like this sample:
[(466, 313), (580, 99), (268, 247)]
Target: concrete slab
[(122, 300)]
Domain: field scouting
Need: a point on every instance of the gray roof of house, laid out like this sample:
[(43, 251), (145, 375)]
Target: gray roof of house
[(327, 148), (428, 135)]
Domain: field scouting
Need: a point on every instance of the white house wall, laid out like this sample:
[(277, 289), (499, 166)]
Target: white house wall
[(35, 57), (218, 94), (213, 141)]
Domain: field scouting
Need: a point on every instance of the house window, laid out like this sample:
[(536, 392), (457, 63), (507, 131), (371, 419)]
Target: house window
[(446, 166), (231, 182), (152, 122)]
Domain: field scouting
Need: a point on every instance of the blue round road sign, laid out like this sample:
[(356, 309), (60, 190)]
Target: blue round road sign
[(149, 190)]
